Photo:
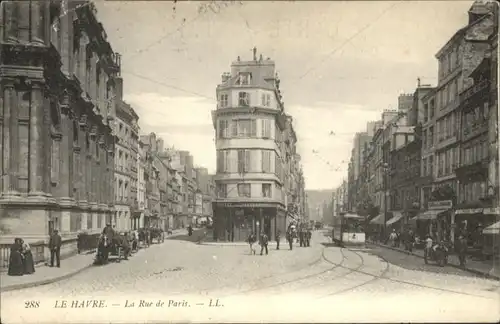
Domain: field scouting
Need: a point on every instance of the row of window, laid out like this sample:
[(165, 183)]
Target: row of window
[(245, 128), (470, 192), (447, 127), (244, 100), (450, 61), (245, 190), (448, 161), (241, 161), (76, 223), (428, 137)]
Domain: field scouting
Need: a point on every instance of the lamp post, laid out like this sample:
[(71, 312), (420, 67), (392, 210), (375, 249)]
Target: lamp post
[(385, 168)]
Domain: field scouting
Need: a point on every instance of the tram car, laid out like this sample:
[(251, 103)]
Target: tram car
[(348, 229)]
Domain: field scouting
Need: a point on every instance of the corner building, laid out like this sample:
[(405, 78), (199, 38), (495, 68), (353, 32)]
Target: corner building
[(250, 125)]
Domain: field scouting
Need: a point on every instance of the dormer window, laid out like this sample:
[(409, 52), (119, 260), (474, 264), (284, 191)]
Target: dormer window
[(244, 78)]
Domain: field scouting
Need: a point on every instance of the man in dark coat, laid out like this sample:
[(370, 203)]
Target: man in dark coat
[(461, 247), (308, 237), (301, 236), (55, 243), (264, 240), (278, 237)]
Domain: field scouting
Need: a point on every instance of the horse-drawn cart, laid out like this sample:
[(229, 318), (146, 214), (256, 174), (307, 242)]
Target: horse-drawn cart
[(117, 247)]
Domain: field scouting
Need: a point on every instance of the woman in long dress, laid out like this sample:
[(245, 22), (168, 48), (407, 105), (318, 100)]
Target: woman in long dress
[(16, 267), (29, 264)]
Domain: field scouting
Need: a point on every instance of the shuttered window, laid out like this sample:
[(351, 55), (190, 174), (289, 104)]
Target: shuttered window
[(266, 161)]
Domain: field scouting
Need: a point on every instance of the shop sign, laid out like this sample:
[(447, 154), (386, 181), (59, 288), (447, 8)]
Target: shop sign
[(247, 205), (491, 211), (441, 204), (469, 211)]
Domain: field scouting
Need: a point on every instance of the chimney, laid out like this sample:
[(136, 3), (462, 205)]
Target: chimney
[(119, 88), (225, 76)]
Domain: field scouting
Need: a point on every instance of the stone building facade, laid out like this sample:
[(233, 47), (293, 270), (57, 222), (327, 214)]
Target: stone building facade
[(57, 106), (127, 130)]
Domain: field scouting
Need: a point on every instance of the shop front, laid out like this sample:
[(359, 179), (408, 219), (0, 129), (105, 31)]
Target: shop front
[(234, 221), (435, 221), (477, 225)]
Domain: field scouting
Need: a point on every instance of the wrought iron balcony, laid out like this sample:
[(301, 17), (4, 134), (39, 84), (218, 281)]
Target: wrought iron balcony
[(469, 93)]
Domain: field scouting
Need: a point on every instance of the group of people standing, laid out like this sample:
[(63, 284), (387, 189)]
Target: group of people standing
[(263, 242), (21, 259)]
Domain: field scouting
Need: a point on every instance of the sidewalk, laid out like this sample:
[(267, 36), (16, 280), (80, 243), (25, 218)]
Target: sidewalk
[(482, 268), (45, 275)]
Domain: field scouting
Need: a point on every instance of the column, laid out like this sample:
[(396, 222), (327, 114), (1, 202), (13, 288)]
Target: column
[(82, 160), (10, 15), (23, 28), (37, 20), (11, 139), (66, 151), (76, 179), (66, 39)]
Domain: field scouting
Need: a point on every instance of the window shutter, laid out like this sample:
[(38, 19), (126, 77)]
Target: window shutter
[(241, 160), (253, 128), (221, 128), (220, 161), (263, 97), (248, 160), (234, 128)]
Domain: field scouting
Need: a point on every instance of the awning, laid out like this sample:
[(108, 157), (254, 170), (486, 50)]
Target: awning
[(379, 220), (468, 211), (355, 216), (397, 216), (429, 214), (492, 229)]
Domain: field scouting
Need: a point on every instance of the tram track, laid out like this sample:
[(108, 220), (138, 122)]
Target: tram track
[(382, 276)]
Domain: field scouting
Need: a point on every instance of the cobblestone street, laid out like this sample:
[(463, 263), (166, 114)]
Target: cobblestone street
[(179, 268)]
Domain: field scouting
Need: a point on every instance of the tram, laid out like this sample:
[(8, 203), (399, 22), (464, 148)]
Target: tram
[(348, 229)]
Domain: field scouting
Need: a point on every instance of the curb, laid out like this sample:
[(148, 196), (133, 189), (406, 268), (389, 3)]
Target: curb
[(477, 272), (45, 281)]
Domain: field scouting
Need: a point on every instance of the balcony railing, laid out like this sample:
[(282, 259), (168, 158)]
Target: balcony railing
[(473, 90)]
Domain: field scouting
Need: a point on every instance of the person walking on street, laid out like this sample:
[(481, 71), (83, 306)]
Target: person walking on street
[(301, 237), (428, 246), (308, 237), (251, 240), (461, 248), (55, 243), (289, 238), (411, 240), (278, 237), (264, 240)]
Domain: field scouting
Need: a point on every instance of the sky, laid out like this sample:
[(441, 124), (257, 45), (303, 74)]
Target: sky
[(340, 64)]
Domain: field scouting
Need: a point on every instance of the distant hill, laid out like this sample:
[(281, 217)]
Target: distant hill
[(315, 199)]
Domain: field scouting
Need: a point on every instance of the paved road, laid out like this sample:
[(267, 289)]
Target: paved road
[(320, 282)]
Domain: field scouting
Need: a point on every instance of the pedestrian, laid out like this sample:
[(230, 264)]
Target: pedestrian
[(428, 246), (264, 240), (301, 237), (289, 238), (55, 243), (308, 236), (29, 264), (410, 240), (278, 237), (393, 237), (16, 267), (251, 240), (461, 248)]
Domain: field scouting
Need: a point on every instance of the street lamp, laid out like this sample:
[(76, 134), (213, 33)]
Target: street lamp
[(385, 168)]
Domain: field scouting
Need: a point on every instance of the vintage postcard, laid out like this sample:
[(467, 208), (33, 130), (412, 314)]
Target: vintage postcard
[(249, 161)]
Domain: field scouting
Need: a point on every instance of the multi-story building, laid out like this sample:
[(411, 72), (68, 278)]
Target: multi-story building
[(405, 102), (138, 220), (152, 179), (58, 102), (457, 59), (404, 175), (250, 125), (477, 187), (428, 124), (126, 129), (206, 187)]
